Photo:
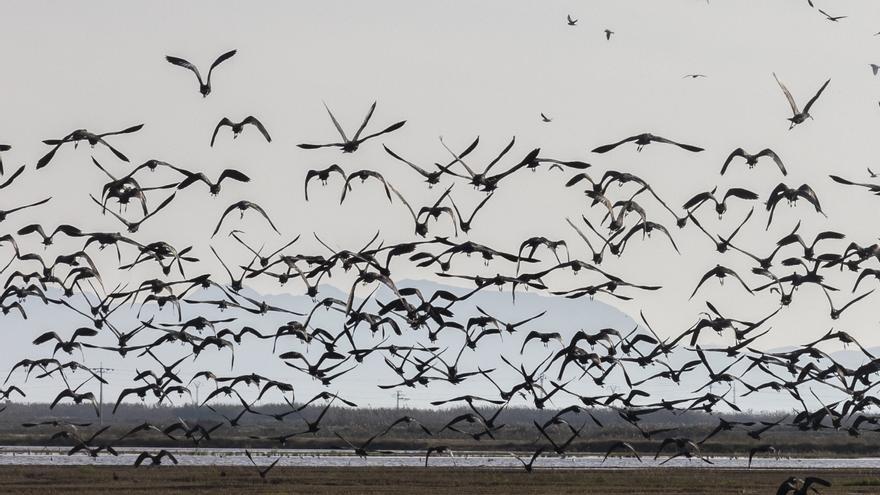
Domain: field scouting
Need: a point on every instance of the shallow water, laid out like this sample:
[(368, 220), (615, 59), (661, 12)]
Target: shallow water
[(42, 456)]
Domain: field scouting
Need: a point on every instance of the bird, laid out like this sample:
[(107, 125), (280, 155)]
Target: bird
[(752, 160), (761, 449), (204, 85), (720, 206), (798, 116), (621, 445), (238, 127), (213, 187), (693, 76), (545, 118), (799, 486), (721, 272), (528, 466), (243, 206), (363, 175), (608, 34), (782, 191), (155, 459), (351, 145), (322, 175), (135, 226), (830, 17), (642, 140), (571, 22), (83, 135), (263, 472)]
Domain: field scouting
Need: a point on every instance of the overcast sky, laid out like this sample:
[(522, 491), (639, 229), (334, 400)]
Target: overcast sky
[(461, 70)]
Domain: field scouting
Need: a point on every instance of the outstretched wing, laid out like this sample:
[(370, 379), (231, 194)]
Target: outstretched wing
[(816, 97), (259, 125), (222, 58), (794, 108), (224, 122), (186, 65), (608, 147)]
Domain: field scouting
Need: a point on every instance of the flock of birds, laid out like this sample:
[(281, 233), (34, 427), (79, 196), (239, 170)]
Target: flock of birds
[(622, 209)]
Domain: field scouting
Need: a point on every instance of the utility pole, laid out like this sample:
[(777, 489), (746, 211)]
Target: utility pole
[(400, 397), (100, 370)]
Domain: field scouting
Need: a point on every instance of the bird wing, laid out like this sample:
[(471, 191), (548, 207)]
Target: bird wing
[(222, 58), (223, 122), (794, 108), (737, 152), (816, 97), (261, 211), (186, 65), (365, 122), (391, 128), (336, 123), (608, 147), (259, 125), (688, 147), (772, 154)]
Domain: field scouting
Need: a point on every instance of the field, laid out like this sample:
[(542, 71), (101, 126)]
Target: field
[(172, 480)]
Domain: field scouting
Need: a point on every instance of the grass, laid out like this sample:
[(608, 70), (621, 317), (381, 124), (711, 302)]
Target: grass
[(43, 480)]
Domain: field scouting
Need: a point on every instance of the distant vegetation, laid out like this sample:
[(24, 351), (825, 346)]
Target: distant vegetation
[(518, 434)]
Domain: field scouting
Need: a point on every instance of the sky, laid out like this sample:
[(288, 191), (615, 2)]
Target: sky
[(461, 70)]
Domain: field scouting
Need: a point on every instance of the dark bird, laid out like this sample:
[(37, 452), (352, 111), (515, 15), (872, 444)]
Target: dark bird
[(797, 486), (155, 459), (545, 118), (720, 206), (433, 177), (363, 175), (351, 145), (238, 127), (782, 191), (721, 273), (693, 76), (263, 472), (83, 135), (619, 446), (571, 22), (243, 206), (761, 449), (799, 116), (752, 160), (528, 466), (608, 34), (134, 226), (204, 85), (323, 176), (643, 140), (832, 18), (213, 187)]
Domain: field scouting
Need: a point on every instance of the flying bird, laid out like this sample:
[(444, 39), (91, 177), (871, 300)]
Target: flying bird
[(243, 206), (83, 135), (642, 140), (204, 85), (752, 160), (238, 127), (351, 145), (799, 116)]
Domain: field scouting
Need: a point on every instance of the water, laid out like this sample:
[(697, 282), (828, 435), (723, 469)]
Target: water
[(43, 456)]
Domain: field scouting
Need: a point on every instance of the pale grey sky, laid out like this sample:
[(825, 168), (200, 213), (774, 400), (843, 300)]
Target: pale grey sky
[(460, 70)]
